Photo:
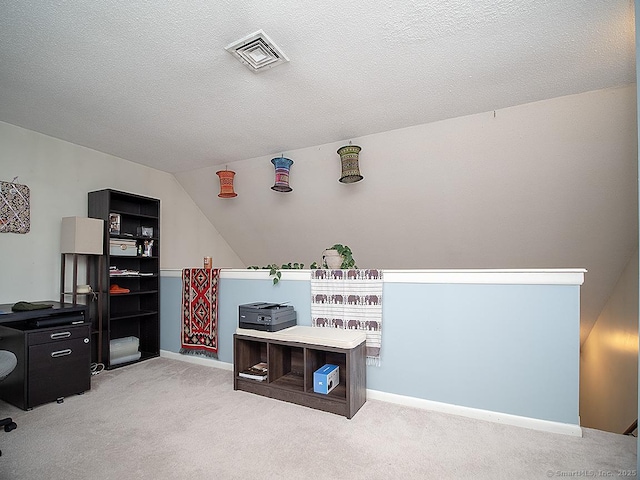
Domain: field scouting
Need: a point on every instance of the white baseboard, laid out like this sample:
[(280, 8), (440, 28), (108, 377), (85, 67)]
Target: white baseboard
[(476, 413)]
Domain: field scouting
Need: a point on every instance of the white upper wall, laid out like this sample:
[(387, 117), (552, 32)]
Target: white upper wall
[(59, 175), (550, 184)]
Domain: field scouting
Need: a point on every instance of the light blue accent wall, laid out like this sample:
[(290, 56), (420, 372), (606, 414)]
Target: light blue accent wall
[(170, 315), (231, 293), (504, 348)]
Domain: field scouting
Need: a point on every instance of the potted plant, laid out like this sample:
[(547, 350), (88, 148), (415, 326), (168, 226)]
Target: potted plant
[(274, 270), (338, 256)]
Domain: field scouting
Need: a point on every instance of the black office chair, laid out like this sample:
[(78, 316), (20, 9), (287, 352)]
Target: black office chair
[(8, 362)]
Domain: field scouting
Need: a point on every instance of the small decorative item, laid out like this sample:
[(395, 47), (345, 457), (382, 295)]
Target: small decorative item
[(114, 224), (146, 232), (84, 289), (208, 262), (148, 248), (282, 166), (115, 289), (226, 183), (349, 158)]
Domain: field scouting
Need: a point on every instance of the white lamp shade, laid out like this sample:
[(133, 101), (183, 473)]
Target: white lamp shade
[(82, 235)]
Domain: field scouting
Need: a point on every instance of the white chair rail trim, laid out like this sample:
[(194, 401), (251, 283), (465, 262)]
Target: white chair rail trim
[(547, 276)]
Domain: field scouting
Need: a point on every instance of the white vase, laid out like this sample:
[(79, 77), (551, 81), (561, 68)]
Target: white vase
[(332, 258)]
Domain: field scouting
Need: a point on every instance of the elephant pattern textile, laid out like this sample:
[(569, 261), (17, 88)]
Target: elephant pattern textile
[(200, 312), (349, 299)]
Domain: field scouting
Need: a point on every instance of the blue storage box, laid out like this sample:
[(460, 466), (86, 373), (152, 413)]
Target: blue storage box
[(326, 378)]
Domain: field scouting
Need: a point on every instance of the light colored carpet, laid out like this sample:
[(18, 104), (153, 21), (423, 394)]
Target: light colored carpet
[(167, 419)]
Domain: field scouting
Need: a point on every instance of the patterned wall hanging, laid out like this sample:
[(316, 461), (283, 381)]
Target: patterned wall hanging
[(226, 184), (14, 208), (282, 166), (349, 159), (200, 311), (352, 300)]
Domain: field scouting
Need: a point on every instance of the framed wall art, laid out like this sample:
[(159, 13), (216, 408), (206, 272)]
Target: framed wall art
[(15, 214)]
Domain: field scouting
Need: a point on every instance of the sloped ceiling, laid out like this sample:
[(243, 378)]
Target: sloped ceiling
[(151, 82)]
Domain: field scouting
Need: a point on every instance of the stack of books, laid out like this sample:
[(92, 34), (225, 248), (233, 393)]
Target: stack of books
[(116, 272), (257, 372)]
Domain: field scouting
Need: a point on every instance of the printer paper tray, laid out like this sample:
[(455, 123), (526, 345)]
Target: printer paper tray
[(268, 328)]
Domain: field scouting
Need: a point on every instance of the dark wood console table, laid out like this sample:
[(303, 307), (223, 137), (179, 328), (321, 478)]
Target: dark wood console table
[(293, 355), (53, 348)]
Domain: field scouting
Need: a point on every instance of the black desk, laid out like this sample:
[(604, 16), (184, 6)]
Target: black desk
[(58, 309), (53, 348)]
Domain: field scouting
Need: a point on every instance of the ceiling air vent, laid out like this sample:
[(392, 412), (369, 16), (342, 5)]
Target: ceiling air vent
[(257, 52)]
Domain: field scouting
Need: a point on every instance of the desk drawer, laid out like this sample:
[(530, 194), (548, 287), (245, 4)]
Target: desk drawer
[(60, 334), (58, 369)]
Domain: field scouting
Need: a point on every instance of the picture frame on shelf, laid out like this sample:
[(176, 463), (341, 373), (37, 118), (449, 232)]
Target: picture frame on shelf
[(146, 232), (114, 224)]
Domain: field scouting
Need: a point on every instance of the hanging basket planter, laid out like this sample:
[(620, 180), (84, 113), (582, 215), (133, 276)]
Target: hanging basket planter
[(226, 184), (349, 159), (282, 166)]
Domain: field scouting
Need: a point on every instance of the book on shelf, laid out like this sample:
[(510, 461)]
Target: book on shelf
[(261, 367), (256, 372), (116, 272)]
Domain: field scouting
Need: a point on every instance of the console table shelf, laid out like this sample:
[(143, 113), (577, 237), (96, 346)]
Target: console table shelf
[(292, 356)]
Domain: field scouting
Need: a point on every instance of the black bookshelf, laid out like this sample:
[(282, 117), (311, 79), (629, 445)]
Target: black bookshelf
[(132, 253)]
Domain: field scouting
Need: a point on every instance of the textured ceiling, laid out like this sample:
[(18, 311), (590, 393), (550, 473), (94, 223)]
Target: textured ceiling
[(151, 82)]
